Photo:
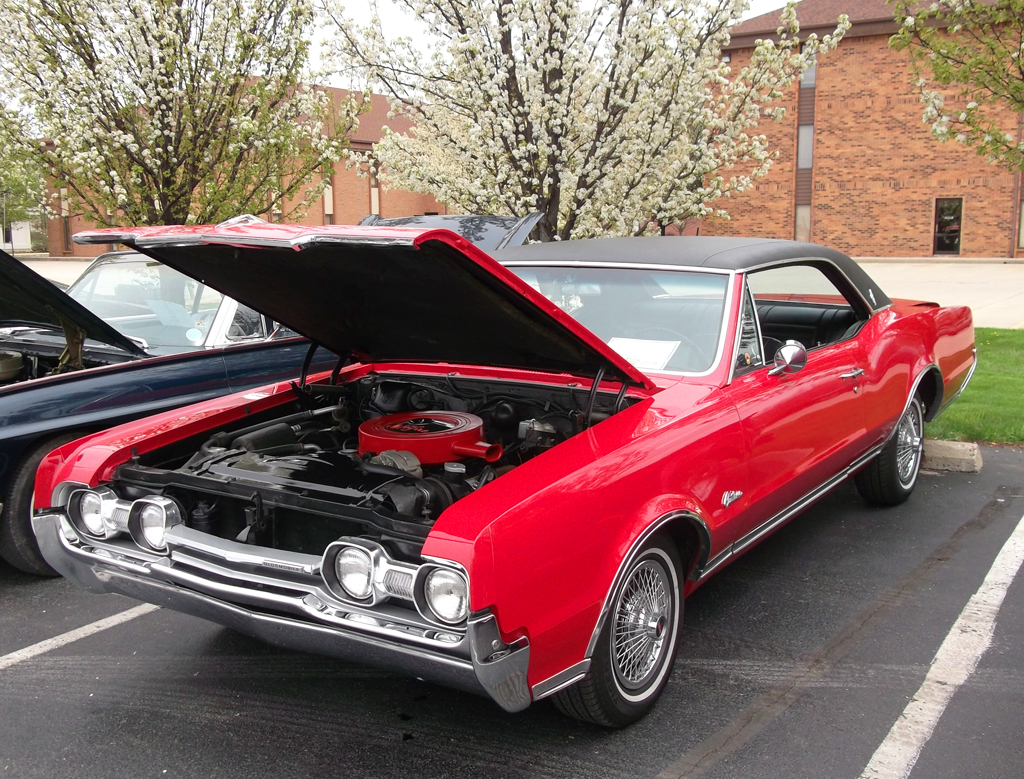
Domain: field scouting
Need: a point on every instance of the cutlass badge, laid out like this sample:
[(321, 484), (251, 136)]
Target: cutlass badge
[(731, 497)]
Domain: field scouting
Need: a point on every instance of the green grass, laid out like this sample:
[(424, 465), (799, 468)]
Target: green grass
[(992, 406)]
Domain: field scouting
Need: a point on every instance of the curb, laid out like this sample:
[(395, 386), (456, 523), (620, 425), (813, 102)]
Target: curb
[(956, 456)]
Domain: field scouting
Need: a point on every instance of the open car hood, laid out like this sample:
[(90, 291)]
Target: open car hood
[(27, 299), (383, 294), (489, 233)]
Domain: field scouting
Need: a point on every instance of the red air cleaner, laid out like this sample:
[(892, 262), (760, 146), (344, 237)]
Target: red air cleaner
[(435, 437)]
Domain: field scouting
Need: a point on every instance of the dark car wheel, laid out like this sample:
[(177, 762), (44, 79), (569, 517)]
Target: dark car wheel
[(890, 477), (637, 646), (17, 541)]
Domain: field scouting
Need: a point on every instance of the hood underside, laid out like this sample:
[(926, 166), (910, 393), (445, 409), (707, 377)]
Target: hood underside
[(384, 294), (27, 299)]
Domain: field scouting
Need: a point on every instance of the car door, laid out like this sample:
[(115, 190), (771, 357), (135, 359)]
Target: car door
[(801, 428)]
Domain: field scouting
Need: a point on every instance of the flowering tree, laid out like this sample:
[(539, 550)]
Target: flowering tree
[(608, 116), (170, 111), (21, 186), (973, 52)]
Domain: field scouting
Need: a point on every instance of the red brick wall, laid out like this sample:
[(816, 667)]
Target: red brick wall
[(877, 167), (766, 209)]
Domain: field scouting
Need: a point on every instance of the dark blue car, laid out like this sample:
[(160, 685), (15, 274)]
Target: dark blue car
[(129, 338), (133, 337)]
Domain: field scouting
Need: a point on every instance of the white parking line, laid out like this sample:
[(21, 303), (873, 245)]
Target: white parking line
[(955, 661), (73, 635)]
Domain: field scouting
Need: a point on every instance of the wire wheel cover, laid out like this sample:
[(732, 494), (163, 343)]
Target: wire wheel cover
[(909, 440), (643, 622)]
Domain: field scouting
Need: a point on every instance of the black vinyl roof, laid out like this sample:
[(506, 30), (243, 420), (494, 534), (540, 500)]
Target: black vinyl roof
[(698, 251)]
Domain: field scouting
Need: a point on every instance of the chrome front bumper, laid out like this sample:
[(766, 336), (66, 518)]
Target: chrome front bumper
[(293, 614)]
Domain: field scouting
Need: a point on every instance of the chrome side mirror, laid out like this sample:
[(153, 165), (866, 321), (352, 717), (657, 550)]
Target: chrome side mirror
[(789, 358)]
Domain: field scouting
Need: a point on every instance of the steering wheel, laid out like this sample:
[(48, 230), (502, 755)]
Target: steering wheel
[(676, 336)]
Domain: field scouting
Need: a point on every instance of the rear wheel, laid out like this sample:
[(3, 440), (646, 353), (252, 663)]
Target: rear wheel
[(17, 541), (890, 477), (637, 646)]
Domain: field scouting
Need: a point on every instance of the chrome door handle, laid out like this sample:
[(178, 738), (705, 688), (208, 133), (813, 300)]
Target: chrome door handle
[(852, 374)]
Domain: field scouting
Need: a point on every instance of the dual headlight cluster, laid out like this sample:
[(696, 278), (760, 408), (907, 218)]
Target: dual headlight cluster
[(355, 570), (101, 514), (363, 573)]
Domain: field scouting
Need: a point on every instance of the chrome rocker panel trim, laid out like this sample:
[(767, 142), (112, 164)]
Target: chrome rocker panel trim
[(480, 662), (759, 532)]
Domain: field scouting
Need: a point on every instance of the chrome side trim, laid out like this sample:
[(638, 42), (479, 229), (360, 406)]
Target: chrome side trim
[(970, 374), (561, 680), (649, 531), (755, 535)]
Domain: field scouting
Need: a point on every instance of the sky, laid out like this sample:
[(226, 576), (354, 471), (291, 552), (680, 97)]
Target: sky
[(398, 23)]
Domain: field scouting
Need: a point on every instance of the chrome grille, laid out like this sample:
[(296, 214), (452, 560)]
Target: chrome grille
[(398, 583), (119, 517)]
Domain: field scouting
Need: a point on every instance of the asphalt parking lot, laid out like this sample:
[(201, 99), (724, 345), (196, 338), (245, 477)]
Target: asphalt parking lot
[(797, 660)]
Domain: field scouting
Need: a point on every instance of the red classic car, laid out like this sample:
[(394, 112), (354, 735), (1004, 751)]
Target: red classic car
[(521, 465)]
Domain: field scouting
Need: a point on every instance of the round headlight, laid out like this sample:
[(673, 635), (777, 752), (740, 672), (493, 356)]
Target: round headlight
[(90, 511), (153, 523), (355, 572), (447, 595)]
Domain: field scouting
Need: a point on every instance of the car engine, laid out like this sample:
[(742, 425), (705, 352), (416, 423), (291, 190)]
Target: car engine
[(380, 458)]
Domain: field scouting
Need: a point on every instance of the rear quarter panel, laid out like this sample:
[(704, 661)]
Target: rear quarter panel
[(902, 342)]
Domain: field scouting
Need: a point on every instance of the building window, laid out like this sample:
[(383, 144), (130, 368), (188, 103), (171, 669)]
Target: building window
[(374, 194), (65, 218), (810, 76), (1020, 227), (948, 213), (803, 223), (328, 205), (805, 146)]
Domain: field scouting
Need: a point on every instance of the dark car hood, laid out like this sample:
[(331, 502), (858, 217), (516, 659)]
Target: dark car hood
[(26, 298), (383, 294), (489, 233)]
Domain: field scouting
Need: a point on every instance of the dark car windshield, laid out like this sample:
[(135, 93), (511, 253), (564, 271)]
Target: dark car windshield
[(658, 320), (144, 299)]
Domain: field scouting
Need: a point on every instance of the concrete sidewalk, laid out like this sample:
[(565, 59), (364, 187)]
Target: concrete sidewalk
[(994, 290)]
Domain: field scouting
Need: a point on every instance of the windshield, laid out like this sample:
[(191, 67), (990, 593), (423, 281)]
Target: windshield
[(658, 320), (144, 299)]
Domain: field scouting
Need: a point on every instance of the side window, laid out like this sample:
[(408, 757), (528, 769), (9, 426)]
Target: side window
[(800, 303), (749, 354), (246, 324)]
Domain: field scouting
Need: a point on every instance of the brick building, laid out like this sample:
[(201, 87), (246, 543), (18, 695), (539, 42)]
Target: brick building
[(858, 169), (347, 199)]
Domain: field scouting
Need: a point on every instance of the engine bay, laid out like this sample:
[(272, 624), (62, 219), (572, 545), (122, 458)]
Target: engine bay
[(380, 457)]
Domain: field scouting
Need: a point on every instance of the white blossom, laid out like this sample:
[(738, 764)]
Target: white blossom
[(608, 116), (162, 112)]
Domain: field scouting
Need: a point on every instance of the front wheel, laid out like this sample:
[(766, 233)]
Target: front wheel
[(637, 645), (17, 541), (890, 477)]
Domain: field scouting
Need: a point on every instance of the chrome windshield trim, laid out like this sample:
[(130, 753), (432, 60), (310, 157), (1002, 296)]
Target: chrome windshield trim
[(629, 265)]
